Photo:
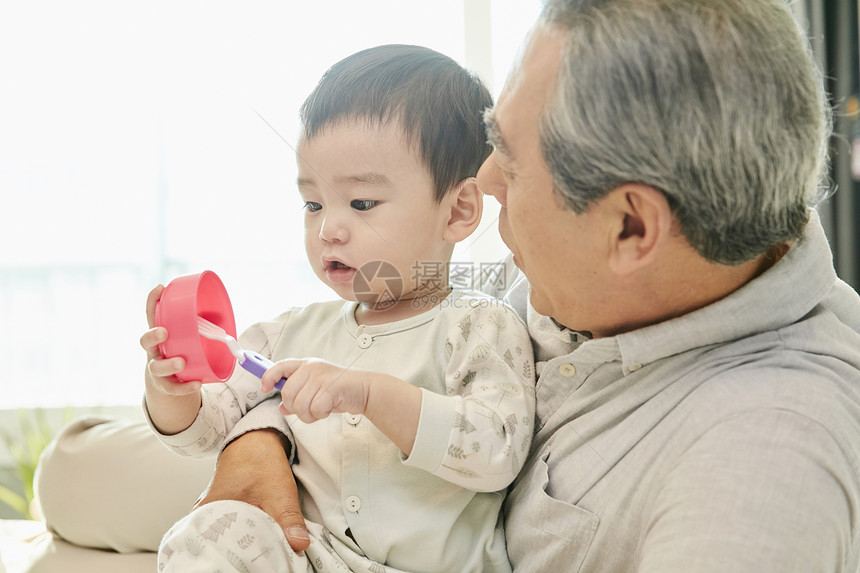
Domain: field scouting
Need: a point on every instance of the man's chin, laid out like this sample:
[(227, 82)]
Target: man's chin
[(539, 302)]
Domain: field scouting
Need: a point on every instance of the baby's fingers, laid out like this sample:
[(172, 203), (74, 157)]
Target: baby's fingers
[(282, 369), (162, 374), (150, 340), (164, 367), (306, 400)]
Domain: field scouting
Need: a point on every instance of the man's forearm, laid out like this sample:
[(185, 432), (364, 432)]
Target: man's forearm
[(254, 468)]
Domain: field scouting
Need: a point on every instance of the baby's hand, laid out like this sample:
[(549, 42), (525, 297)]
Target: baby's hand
[(316, 388), (161, 372)]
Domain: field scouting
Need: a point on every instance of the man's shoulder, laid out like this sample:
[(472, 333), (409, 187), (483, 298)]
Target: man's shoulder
[(808, 372)]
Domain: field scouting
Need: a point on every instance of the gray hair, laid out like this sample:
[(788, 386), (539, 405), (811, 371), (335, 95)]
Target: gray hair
[(716, 103)]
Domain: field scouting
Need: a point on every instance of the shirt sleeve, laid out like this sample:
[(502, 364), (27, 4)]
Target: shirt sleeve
[(221, 418), (763, 491), (263, 416), (478, 435)]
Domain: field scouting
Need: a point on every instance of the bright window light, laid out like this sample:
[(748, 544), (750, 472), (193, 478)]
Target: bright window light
[(142, 142)]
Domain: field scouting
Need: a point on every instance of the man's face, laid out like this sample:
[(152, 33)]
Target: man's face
[(558, 250)]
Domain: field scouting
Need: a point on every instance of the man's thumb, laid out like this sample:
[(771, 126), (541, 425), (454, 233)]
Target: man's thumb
[(296, 533)]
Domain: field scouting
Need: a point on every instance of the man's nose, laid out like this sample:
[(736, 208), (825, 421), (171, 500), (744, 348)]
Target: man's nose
[(491, 181)]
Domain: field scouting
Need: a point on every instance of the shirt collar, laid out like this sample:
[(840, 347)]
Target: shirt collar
[(350, 307)]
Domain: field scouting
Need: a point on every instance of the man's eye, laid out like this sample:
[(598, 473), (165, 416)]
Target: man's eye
[(312, 206), (363, 204)]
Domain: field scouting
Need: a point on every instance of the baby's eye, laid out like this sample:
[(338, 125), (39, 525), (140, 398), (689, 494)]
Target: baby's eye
[(312, 206), (363, 204)]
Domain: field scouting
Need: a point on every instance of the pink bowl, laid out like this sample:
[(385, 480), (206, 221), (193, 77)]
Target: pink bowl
[(182, 301)]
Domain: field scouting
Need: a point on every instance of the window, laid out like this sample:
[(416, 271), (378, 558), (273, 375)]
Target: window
[(142, 143)]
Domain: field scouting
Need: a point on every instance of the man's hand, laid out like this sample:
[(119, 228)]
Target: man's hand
[(254, 469)]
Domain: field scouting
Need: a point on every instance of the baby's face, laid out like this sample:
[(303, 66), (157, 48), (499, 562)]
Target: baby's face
[(373, 230)]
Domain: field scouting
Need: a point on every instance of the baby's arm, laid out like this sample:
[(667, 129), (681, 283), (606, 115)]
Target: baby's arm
[(317, 388), (478, 435), (171, 403), (194, 421)]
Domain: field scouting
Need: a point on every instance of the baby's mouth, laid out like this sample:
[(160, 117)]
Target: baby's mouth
[(338, 271), (337, 265)]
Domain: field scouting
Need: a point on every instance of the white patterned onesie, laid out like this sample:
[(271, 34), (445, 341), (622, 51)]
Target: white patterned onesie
[(369, 507)]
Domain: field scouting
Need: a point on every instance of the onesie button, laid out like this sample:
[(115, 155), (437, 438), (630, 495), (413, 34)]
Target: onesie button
[(353, 419), (567, 370), (364, 341), (353, 504)]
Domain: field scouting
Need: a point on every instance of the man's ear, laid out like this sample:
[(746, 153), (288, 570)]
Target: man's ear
[(466, 203), (642, 225)]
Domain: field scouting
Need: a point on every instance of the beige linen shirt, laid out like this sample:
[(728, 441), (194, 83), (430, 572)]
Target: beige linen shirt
[(726, 440)]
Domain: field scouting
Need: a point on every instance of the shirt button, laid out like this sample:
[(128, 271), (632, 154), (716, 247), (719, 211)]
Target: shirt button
[(634, 367), (353, 504), (364, 341), (567, 370), (353, 419)]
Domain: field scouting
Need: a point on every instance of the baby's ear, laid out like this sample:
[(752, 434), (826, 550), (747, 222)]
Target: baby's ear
[(466, 203)]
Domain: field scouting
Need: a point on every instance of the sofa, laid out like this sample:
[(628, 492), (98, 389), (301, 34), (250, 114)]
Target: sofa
[(27, 547), (86, 485)]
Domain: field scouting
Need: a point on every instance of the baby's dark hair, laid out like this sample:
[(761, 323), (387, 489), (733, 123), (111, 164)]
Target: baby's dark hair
[(437, 102)]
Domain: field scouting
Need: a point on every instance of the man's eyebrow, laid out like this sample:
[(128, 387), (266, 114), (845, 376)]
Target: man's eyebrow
[(494, 135)]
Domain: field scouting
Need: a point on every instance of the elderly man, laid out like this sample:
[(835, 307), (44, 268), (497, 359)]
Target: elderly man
[(657, 162)]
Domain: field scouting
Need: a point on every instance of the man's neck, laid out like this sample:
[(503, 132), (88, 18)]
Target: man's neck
[(687, 286)]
